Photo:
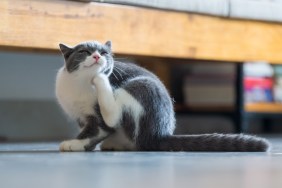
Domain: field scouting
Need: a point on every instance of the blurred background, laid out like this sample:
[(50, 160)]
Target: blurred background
[(210, 64), (221, 61), (204, 94)]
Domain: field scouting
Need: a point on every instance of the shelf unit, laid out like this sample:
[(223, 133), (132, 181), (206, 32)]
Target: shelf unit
[(240, 112)]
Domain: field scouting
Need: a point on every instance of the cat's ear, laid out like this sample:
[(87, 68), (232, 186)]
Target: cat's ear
[(66, 51), (109, 44)]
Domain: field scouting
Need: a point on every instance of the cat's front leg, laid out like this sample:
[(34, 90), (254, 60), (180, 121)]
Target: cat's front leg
[(89, 137), (109, 106), (84, 143), (74, 145)]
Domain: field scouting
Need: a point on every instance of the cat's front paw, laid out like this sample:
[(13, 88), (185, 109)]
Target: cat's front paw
[(99, 79), (72, 145)]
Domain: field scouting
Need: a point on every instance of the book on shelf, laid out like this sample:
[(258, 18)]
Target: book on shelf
[(258, 82), (277, 88), (258, 89)]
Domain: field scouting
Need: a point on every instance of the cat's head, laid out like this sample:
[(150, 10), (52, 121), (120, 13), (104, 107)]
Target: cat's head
[(88, 58)]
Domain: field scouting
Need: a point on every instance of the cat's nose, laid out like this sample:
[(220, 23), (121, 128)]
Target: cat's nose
[(96, 57)]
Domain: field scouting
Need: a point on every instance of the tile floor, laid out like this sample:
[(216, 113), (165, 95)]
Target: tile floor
[(40, 165)]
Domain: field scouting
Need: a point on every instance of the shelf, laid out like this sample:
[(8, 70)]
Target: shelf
[(264, 107)]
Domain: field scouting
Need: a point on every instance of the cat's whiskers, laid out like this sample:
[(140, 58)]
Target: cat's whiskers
[(119, 69), (118, 73), (115, 75)]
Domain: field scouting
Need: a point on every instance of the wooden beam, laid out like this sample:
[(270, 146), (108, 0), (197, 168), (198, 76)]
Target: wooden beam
[(43, 24)]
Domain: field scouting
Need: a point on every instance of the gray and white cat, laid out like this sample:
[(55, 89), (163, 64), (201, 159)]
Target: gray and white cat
[(126, 107)]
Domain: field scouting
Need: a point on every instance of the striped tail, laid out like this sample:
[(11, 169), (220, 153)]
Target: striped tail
[(215, 142)]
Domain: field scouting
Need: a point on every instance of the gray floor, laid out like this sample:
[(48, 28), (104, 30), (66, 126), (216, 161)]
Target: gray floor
[(41, 165)]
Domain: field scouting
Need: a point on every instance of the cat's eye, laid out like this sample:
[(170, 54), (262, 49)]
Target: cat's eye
[(84, 51), (103, 52)]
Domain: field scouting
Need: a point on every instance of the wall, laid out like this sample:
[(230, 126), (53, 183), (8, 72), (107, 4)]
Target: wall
[(28, 108)]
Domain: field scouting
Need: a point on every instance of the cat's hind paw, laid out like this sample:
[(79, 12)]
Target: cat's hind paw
[(73, 145)]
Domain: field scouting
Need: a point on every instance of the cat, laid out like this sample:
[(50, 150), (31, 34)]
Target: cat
[(127, 107)]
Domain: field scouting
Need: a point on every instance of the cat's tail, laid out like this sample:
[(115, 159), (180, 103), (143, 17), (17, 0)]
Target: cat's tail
[(214, 142)]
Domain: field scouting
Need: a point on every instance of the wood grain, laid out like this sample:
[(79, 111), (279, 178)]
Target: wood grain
[(43, 24)]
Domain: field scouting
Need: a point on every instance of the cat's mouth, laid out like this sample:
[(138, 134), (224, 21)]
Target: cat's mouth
[(88, 66)]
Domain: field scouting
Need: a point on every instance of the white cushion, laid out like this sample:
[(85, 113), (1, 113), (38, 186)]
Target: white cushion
[(266, 10)]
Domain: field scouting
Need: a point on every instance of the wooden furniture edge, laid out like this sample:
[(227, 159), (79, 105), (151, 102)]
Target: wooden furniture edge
[(263, 107), (41, 25)]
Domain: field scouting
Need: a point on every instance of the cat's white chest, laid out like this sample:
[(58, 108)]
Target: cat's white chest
[(77, 99)]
